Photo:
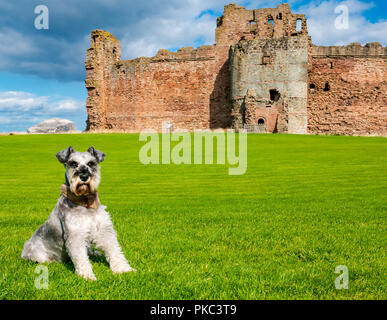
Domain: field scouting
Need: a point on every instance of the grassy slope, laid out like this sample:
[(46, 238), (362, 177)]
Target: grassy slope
[(305, 205)]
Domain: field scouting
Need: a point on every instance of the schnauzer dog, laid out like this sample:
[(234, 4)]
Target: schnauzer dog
[(78, 221)]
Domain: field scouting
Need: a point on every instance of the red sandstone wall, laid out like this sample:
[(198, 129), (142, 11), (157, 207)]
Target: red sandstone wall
[(239, 23), (191, 88), (356, 103), (142, 93)]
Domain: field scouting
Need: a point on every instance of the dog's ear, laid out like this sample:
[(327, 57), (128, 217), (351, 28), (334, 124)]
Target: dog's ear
[(64, 155), (99, 155)]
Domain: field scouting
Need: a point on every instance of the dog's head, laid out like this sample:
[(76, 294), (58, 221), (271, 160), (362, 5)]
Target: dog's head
[(82, 169)]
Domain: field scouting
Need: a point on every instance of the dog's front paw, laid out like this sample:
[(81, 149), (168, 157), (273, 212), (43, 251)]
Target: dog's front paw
[(121, 267), (87, 274)]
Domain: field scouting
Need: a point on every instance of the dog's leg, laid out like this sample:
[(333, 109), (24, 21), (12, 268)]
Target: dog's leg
[(77, 251), (107, 241), (34, 250)]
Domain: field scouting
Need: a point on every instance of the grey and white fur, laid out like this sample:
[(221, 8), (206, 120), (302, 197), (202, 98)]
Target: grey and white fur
[(71, 230)]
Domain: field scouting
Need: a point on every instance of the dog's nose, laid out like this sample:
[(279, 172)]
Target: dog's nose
[(83, 173), (84, 177)]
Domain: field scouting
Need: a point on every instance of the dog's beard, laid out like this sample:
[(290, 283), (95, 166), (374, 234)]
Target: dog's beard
[(81, 188)]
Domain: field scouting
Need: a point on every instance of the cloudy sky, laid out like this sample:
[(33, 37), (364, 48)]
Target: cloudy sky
[(42, 70)]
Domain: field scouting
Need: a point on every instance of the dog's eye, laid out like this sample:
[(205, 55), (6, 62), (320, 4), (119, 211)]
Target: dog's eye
[(73, 164), (91, 164)]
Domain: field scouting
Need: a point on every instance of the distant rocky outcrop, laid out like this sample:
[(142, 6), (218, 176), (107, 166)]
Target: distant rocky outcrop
[(54, 125)]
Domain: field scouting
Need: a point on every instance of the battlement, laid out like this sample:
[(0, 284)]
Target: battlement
[(372, 49), (183, 54)]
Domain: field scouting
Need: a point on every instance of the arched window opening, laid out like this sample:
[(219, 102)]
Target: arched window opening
[(331, 64), (252, 22), (270, 21), (274, 95), (261, 122), (312, 88), (299, 25), (327, 87)]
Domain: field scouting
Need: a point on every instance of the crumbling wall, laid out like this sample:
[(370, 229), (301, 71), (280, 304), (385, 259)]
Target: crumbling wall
[(323, 90), (190, 88), (105, 50), (170, 87), (238, 23), (265, 65), (267, 52), (133, 95), (348, 90), (262, 115)]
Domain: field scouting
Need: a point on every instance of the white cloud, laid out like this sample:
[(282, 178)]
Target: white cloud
[(321, 23), (15, 43), (66, 105), (170, 30), (19, 100), (169, 33), (26, 101), (21, 109)]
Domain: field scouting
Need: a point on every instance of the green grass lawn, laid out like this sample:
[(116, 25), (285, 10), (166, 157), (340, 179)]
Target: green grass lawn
[(305, 205)]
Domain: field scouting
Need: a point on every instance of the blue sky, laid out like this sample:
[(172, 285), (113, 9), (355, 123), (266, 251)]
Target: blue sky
[(42, 71)]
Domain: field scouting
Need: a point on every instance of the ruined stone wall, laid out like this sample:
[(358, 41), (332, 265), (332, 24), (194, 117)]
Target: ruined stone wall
[(265, 65), (348, 90), (170, 87), (190, 88), (270, 23), (138, 94), (269, 27), (323, 90), (105, 50)]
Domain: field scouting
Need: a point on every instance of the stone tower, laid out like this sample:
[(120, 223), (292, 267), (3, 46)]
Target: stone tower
[(269, 73), (105, 50)]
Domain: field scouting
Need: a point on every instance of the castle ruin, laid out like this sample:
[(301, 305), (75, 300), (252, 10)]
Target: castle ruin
[(262, 74)]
